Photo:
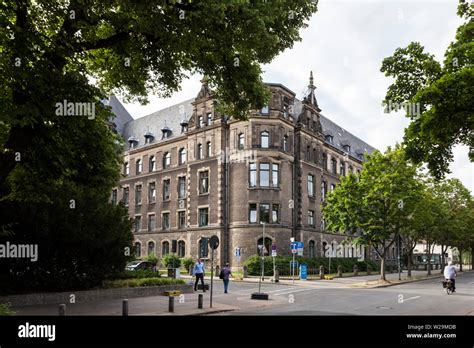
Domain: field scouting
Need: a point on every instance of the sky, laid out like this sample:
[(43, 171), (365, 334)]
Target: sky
[(344, 45)]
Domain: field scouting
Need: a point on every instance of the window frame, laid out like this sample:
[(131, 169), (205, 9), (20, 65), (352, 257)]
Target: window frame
[(200, 221), (265, 136)]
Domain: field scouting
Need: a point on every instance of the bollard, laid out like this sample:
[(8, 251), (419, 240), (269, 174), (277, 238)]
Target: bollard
[(339, 271), (125, 308), (356, 270), (369, 270), (245, 272), (62, 310), (200, 296), (171, 304), (321, 272)]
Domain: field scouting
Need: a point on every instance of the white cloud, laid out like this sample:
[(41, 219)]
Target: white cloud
[(344, 45)]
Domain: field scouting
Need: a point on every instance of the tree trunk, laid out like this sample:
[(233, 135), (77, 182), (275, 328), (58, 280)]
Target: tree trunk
[(382, 267), (442, 259), (460, 261), (428, 253), (409, 256)]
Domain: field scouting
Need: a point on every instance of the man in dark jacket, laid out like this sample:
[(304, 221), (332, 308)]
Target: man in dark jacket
[(226, 274)]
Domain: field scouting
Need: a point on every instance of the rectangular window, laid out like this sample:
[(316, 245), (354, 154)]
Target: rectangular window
[(311, 218), (265, 174), (275, 177), (209, 118), (166, 190), (253, 175), (182, 187), (253, 213), (138, 194), (333, 187), (151, 222), (126, 196), (152, 192), (138, 223), (201, 121), (324, 189), (310, 185), (114, 197), (165, 221), (181, 219), (265, 212), (203, 217), (275, 213), (203, 182)]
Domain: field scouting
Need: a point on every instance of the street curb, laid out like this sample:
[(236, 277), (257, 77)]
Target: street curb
[(211, 312)]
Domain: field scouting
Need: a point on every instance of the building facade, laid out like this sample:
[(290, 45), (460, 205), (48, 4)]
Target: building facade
[(190, 173)]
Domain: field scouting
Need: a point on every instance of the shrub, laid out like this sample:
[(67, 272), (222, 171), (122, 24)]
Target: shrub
[(152, 259), (141, 273), (133, 283), (283, 263), (171, 260), (5, 309), (187, 262)]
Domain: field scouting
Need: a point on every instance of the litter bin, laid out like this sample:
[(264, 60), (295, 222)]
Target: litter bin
[(174, 273)]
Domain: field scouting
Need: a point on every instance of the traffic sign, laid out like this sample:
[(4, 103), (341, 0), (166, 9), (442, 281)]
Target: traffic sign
[(214, 242), (300, 247), (303, 271), (294, 247)]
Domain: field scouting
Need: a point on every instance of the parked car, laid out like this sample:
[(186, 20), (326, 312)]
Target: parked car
[(137, 265)]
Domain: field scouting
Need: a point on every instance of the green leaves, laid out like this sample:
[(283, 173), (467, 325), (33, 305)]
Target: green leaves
[(444, 94)]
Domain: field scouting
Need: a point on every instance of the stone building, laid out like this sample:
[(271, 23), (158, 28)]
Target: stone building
[(190, 173)]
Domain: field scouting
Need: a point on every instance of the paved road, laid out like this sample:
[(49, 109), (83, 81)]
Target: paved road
[(313, 298), (418, 298)]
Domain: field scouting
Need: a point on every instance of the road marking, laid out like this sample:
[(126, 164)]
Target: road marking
[(287, 291), (411, 298)]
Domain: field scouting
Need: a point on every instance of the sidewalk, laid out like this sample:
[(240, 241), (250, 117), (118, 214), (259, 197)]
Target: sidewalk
[(365, 281)]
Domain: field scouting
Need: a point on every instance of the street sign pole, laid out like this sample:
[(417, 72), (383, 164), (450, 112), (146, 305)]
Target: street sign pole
[(212, 273)]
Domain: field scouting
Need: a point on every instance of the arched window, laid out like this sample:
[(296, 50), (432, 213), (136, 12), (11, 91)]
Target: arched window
[(199, 154), (268, 246), (311, 249), (182, 156), (209, 149), (152, 164), (138, 249), (241, 144), (165, 248), (324, 246), (181, 248), (138, 166), (285, 143), (342, 168), (324, 161), (264, 139), (151, 248), (333, 165), (166, 160)]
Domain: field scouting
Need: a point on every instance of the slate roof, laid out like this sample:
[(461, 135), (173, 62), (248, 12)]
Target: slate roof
[(170, 117)]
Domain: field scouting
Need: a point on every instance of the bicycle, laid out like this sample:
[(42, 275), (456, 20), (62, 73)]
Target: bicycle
[(448, 285)]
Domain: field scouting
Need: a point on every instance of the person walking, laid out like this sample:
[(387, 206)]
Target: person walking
[(199, 272), (225, 275)]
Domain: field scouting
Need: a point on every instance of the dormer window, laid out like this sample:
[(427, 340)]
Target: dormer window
[(148, 137), (347, 148), (184, 125), (132, 141), (329, 139), (166, 131)]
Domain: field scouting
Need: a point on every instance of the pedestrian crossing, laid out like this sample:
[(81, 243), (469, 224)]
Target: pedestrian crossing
[(272, 291)]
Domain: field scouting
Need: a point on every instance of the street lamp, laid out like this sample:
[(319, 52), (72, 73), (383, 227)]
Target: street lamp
[(400, 207)]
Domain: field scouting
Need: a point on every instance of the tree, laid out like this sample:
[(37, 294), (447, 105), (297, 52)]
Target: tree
[(438, 98), (49, 49), (367, 207)]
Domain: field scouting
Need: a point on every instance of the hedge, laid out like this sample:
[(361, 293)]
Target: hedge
[(141, 273), (5, 310), (283, 262), (133, 283)]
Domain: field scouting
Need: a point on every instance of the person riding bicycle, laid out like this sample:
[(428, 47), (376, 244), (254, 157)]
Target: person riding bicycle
[(450, 274)]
